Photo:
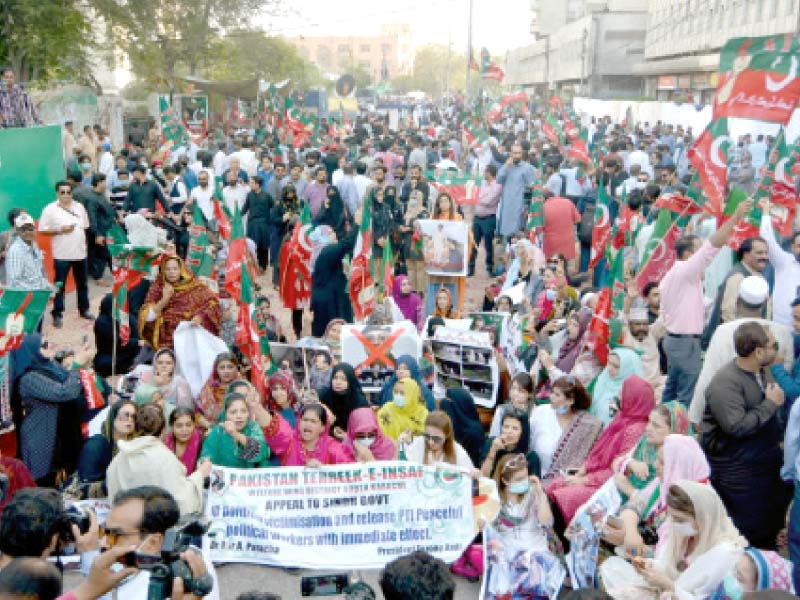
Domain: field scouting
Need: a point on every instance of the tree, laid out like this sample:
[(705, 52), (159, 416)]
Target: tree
[(363, 77), (430, 72), (44, 40)]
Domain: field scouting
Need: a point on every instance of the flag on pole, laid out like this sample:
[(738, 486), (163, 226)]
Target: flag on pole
[(489, 68), (295, 261), (131, 265), (601, 232), (198, 255), (253, 343), (362, 289), (709, 155), (238, 259), (552, 129), (20, 313), (659, 252)]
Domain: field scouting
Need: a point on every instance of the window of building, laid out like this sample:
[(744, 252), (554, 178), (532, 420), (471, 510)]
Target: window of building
[(364, 64), (343, 48), (365, 48), (386, 48)]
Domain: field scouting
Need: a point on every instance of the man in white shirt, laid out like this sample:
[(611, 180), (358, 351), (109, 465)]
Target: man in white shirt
[(220, 162), (758, 151), (361, 180), (106, 161), (787, 269), (641, 158), (202, 195), (235, 192), (66, 221)]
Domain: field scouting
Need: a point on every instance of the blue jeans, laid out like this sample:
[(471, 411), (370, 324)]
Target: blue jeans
[(683, 368), (794, 536)]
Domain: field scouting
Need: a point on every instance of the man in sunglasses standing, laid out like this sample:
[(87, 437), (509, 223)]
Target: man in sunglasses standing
[(66, 221)]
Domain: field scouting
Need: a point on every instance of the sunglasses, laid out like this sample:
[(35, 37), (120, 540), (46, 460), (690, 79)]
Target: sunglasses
[(436, 439), (112, 534), (25, 228), (64, 192)]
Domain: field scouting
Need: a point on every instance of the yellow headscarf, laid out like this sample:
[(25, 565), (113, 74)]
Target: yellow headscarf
[(394, 420)]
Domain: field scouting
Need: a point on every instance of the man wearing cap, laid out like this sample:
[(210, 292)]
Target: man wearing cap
[(644, 338), (24, 260), (67, 221), (143, 192), (106, 162)]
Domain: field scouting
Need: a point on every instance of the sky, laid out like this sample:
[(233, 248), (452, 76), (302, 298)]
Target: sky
[(431, 21)]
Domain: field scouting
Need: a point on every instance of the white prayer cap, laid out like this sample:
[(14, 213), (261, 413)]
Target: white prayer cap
[(587, 297), (22, 220), (754, 290), (638, 313)]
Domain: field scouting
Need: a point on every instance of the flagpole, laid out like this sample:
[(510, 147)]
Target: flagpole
[(469, 55), (113, 335)]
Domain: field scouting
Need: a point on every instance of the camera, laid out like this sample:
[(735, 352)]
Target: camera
[(166, 567), (527, 193), (74, 515)]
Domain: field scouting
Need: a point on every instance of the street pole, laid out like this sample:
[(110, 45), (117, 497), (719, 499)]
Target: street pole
[(469, 55)]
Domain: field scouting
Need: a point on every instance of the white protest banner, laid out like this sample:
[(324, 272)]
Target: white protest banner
[(444, 247), (354, 516), (373, 349)]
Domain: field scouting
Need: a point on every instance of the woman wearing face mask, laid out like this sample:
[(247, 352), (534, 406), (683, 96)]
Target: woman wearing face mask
[(237, 442), (570, 490), (406, 366), (332, 337), (514, 438), (184, 438), (520, 561), (342, 398), (210, 402), (437, 445), (520, 397), (563, 431), (309, 444), (704, 547), (680, 457), (365, 441), (405, 412), (638, 468), (622, 363)]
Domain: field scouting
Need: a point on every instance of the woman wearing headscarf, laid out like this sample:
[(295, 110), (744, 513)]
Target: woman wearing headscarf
[(211, 401), (406, 366), (177, 295), (520, 397), (104, 338), (445, 210), (53, 401), (365, 441), (281, 397), (405, 412), (343, 397), (329, 299), (408, 301), (703, 548), (161, 373), (184, 438), (443, 306), (467, 427), (528, 259), (571, 491), (575, 356), (622, 363), (680, 457), (334, 213), (237, 442), (332, 337), (284, 211)]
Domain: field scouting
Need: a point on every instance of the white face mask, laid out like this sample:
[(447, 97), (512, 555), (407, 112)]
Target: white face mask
[(366, 442), (399, 400), (683, 529)]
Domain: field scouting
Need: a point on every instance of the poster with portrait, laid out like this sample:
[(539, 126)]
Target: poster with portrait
[(373, 350), (194, 112), (444, 247), (497, 321), (309, 365), (465, 359)]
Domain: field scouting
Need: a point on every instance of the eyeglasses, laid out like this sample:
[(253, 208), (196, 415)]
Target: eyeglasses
[(65, 192), (112, 534), (25, 228), (435, 439), (124, 415)]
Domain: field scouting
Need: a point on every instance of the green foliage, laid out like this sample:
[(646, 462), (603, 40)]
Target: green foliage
[(431, 70), (44, 40)]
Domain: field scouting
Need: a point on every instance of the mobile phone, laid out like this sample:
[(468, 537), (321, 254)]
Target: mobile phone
[(130, 384), (140, 560), (324, 585)]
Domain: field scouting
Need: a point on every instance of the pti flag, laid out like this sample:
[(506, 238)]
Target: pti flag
[(295, 271), (659, 252), (709, 155), (198, 255), (362, 290), (20, 313), (601, 233)]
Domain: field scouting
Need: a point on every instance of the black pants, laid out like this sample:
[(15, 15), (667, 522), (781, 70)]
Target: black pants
[(99, 259), (297, 322), (62, 268), (483, 228)]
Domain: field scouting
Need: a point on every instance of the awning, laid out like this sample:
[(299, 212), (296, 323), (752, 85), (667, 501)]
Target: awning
[(673, 66)]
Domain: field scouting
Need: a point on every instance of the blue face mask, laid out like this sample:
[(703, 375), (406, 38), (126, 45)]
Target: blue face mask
[(519, 487), (562, 410), (399, 400), (86, 166), (550, 295)]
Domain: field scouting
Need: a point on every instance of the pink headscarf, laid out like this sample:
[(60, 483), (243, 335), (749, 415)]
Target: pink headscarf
[(636, 402), (363, 420), (409, 303)]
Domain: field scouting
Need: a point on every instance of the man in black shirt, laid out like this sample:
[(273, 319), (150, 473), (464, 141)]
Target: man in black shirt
[(143, 192)]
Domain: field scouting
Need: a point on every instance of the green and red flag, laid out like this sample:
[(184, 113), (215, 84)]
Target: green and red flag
[(20, 313), (474, 130), (198, 255), (388, 268), (239, 258), (463, 189), (659, 252), (222, 217), (616, 280), (295, 261), (710, 155), (758, 78), (749, 226), (362, 288), (253, 343), (131, 265), (173, 131), (489, 68), (552, 129), (601, 232)]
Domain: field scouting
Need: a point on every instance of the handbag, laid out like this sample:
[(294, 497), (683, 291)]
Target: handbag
[(470, 564)]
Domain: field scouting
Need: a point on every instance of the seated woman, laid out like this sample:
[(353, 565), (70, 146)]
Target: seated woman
[(405, 411), (406, 366), (147, 461), (437, 445), (637, 469), (177, 295), (365, 441), (237, 441), (281, 397), (174, 389), (408, 301), (569, 492), (520, 397), (210, 402), (467, 428), (343, 397), (444, 305), (679, 457), (563, 431), (308, 444), (574, 356), (704, 547), (105, 337), (185, 437), (99, 450), (514, 438), (17, 477), (146, 393), (622, 363), (332, 338), (266, 323), (520, 560)]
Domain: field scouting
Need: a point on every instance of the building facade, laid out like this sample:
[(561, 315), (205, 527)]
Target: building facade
[(684, 38), (383, 56), (584, 47)]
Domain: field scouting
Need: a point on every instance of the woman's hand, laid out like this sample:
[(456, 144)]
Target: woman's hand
[(161, 379), (363, 454), (313, 463), (633, 542), (656, 577), (339, 433), (498, 444), (230, 428), (639, 468), (405, 438), (204, 468), (197, 321)]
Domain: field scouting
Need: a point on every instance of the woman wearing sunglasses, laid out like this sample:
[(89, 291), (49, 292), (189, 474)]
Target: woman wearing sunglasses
[(436, 445)]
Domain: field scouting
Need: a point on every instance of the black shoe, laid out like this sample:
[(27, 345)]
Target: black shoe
[(88, 315), (57, 321)]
